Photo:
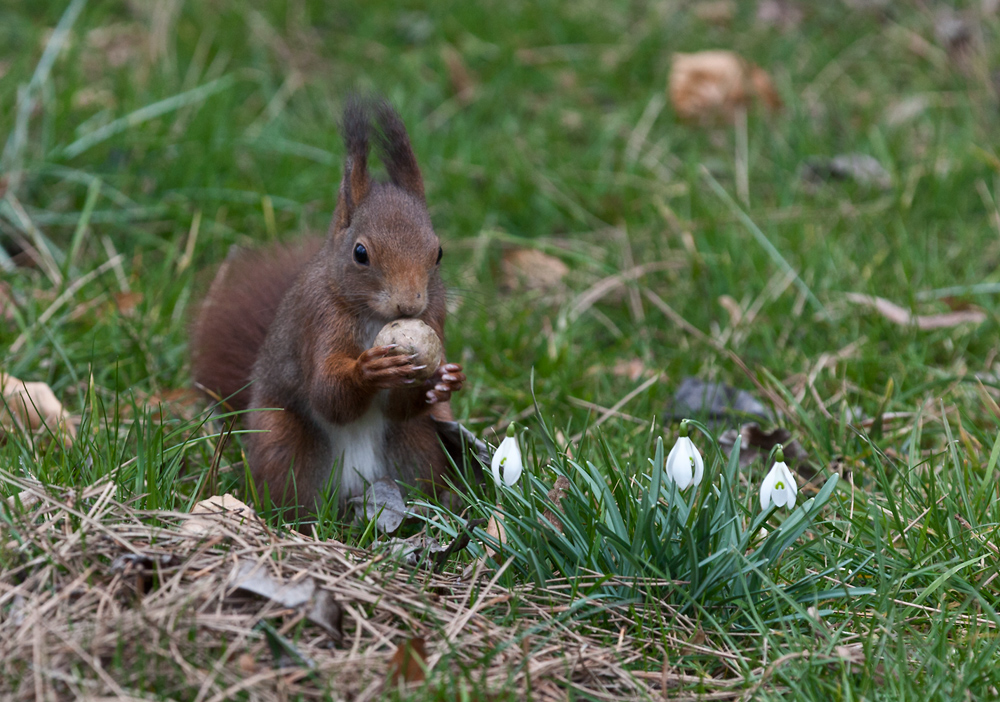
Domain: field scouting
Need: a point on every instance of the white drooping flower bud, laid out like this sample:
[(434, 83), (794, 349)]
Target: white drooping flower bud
[(779, 487), (684, 464), (507, 465)]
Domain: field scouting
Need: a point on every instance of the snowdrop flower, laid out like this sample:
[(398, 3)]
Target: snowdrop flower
[(779, 485), (684, 464), (507, 465)]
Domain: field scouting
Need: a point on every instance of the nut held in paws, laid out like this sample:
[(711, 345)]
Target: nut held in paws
[(412, 336)]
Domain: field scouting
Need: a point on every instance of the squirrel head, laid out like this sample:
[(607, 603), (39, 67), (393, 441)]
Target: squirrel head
[(385, 253)]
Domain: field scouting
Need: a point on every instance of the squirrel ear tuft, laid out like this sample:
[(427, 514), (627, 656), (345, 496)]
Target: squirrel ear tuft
[(356, 183), (394, 149)]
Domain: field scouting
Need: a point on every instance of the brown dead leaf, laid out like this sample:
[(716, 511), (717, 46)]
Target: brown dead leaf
[(463, 82), (409, 662), (631, 368), (711, 86), (247, 663), (215, 513), (530, 269), (34, 407), (127, 302), (318, 605), (719, 12), (495, 529), (903, 317), (556, 495)]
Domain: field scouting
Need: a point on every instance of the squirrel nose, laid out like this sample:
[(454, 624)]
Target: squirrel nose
[(411, 307)]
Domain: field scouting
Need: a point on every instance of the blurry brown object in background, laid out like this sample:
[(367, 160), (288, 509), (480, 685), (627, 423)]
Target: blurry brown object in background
[(711, 86)]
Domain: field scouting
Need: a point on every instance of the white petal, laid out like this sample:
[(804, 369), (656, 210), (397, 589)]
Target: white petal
[(699, 465), (790, 485), (506, 463), (767, 489), (514, 466), (779, 495), (498, 460), (679, 467)]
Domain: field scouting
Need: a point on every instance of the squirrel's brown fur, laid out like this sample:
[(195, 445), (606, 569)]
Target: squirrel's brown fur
[(297, 325), (236, 314)]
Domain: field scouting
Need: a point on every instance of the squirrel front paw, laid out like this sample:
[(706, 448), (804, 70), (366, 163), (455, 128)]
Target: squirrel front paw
[(448, 378), (383, 370)]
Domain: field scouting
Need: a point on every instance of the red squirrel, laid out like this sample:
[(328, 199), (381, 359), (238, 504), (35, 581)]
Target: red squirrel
[(291, 328)]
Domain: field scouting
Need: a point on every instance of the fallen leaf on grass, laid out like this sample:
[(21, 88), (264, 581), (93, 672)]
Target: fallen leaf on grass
[(860, 168), (556, 495), (495, 529), (382, 502), (415, 550), (719, 12), (531, 269), (409, 662), (898, 315), (247, 663), (128, 302), (209, 515), (318, 605), (32, 406), (632, 368), (711, 86)]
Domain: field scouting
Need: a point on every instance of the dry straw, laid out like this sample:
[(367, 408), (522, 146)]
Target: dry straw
[(98, 599)]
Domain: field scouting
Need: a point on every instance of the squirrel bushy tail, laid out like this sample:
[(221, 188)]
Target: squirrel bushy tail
[(236, 314)]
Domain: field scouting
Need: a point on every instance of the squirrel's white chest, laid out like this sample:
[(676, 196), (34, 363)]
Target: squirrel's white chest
[(359, 451)]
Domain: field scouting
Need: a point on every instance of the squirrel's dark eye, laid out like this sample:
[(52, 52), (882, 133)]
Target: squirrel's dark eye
[(361, 254), (440, 254)]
